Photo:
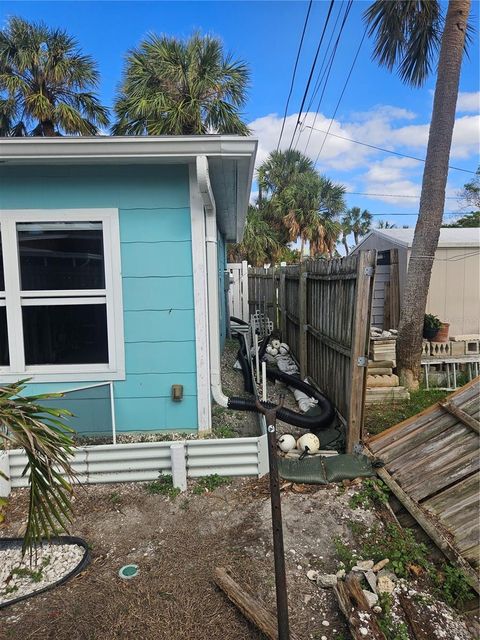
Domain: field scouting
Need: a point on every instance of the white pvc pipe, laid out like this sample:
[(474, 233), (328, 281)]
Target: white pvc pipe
[(264, 381), (257, 362), (212, 280)]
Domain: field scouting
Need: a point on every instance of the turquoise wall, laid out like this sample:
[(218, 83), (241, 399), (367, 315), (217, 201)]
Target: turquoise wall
[(156, 255)]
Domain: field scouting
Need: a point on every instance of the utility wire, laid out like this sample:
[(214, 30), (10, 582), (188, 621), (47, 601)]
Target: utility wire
[(328, 70), (294, 72), (312, 69), (415, 213), (347, 80), (372, 146), (391, 195)]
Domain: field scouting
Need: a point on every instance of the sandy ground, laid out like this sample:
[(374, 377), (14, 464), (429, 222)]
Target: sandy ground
[(177, 544)]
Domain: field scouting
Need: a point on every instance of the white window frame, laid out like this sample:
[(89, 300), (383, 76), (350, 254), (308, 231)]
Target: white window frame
[(15, 298)]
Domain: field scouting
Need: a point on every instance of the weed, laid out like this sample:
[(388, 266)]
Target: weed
[(24, 572), (46, 561), (344, 554), (392, 629), (11, 589), (372, 491), (163, 486), (3, 508), (379, 417), (185, 505), (399, 545), (115, 498), (210, 483), (223, 431), (357, 528), (451, 586)]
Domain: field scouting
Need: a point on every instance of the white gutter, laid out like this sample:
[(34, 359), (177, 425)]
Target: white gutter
[(212, 279)]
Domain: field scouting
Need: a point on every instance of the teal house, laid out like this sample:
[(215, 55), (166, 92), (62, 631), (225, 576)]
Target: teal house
[(112, 273)]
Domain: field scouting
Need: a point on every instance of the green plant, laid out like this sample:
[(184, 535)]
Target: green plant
[(431, 321), (210, 483), (372, 491), (48, 444), (35, 575), (451, 586), (344, 554), (223, 431), (115, 498), (163, 486), (397, 544), (392, 629)]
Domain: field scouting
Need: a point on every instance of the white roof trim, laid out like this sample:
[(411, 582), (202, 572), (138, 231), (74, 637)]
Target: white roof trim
[(104, 148)]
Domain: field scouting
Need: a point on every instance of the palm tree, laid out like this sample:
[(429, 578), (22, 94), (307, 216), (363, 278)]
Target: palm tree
[(359, 222), (346, 230), (175, 87), (407, 36), (260, 243), (45, 83), (385, 224), (48, 445), (280, 169)]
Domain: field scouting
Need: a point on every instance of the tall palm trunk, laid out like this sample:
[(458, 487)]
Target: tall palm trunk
[(345, 244), (432, 201)]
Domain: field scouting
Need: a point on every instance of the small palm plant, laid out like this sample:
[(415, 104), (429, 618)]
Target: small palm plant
[(48, 445)]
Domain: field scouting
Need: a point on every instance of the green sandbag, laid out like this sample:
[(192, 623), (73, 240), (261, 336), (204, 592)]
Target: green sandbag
[(308, 470), (325, 469), (347, 467)]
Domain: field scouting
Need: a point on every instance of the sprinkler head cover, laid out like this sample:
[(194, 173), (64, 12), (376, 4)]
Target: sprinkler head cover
[(128, 571)]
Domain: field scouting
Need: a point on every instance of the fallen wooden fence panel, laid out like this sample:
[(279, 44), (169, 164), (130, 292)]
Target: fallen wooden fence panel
[(432, 465)]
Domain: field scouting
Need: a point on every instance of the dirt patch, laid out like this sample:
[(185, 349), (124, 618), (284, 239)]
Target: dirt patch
[(177, 544)]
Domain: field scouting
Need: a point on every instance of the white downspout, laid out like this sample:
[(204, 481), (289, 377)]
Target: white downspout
[(212, 279)]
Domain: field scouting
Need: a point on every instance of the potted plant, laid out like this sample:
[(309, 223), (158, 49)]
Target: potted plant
[(431, 325)]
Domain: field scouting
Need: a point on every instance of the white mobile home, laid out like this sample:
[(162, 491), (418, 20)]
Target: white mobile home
[(454, 293)]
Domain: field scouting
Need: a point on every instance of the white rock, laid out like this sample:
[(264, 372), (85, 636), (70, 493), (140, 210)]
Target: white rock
[(325, 623), (377, 609), (363, 631), (312, 575), (363, 565), (372, 598), (385, 585)]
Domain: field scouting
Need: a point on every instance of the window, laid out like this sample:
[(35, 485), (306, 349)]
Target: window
[(60, 295)]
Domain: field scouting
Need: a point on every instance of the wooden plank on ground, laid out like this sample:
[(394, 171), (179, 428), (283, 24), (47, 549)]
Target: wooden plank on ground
[(354, 606), (461, 415), (431, 528), (470, 390), (248, 605)]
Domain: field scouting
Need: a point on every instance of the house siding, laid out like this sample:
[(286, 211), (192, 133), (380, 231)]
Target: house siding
[(157, 285)]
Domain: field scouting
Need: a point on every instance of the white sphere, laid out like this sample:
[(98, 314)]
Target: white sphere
[(273, 351), (269, 349), (308, 441), (275, 343), (283, 349), (286, 442)]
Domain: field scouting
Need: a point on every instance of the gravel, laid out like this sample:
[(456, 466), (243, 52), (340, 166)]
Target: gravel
[(19, 577)]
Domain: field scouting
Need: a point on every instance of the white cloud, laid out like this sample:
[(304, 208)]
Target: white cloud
[(468, 101), (368, 169)]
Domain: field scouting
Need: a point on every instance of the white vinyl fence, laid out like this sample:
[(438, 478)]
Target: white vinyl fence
[(145, 461), (238, 290)]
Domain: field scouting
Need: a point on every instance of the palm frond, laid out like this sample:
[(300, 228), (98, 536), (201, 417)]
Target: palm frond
[(41, 431)]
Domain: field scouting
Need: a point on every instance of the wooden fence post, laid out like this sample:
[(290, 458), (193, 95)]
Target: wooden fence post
[(282, 304), (394, 291), (360, 340), (302, 306)]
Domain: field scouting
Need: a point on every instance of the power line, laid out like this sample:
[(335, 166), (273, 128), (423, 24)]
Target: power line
[(328, 69), (294, 72), (312, 69), (347, 80), (372, 146), (415, 213), (391, 195)]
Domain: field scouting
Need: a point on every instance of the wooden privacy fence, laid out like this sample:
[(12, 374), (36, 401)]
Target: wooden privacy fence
[(322, 308), (238, 290)]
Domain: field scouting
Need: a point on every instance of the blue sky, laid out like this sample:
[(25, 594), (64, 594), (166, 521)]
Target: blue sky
[(376, 107)]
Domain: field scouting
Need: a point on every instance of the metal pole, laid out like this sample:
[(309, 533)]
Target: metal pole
[(277, 528)]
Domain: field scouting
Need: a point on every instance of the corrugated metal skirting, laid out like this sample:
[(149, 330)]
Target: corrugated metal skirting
[(145, 461)]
